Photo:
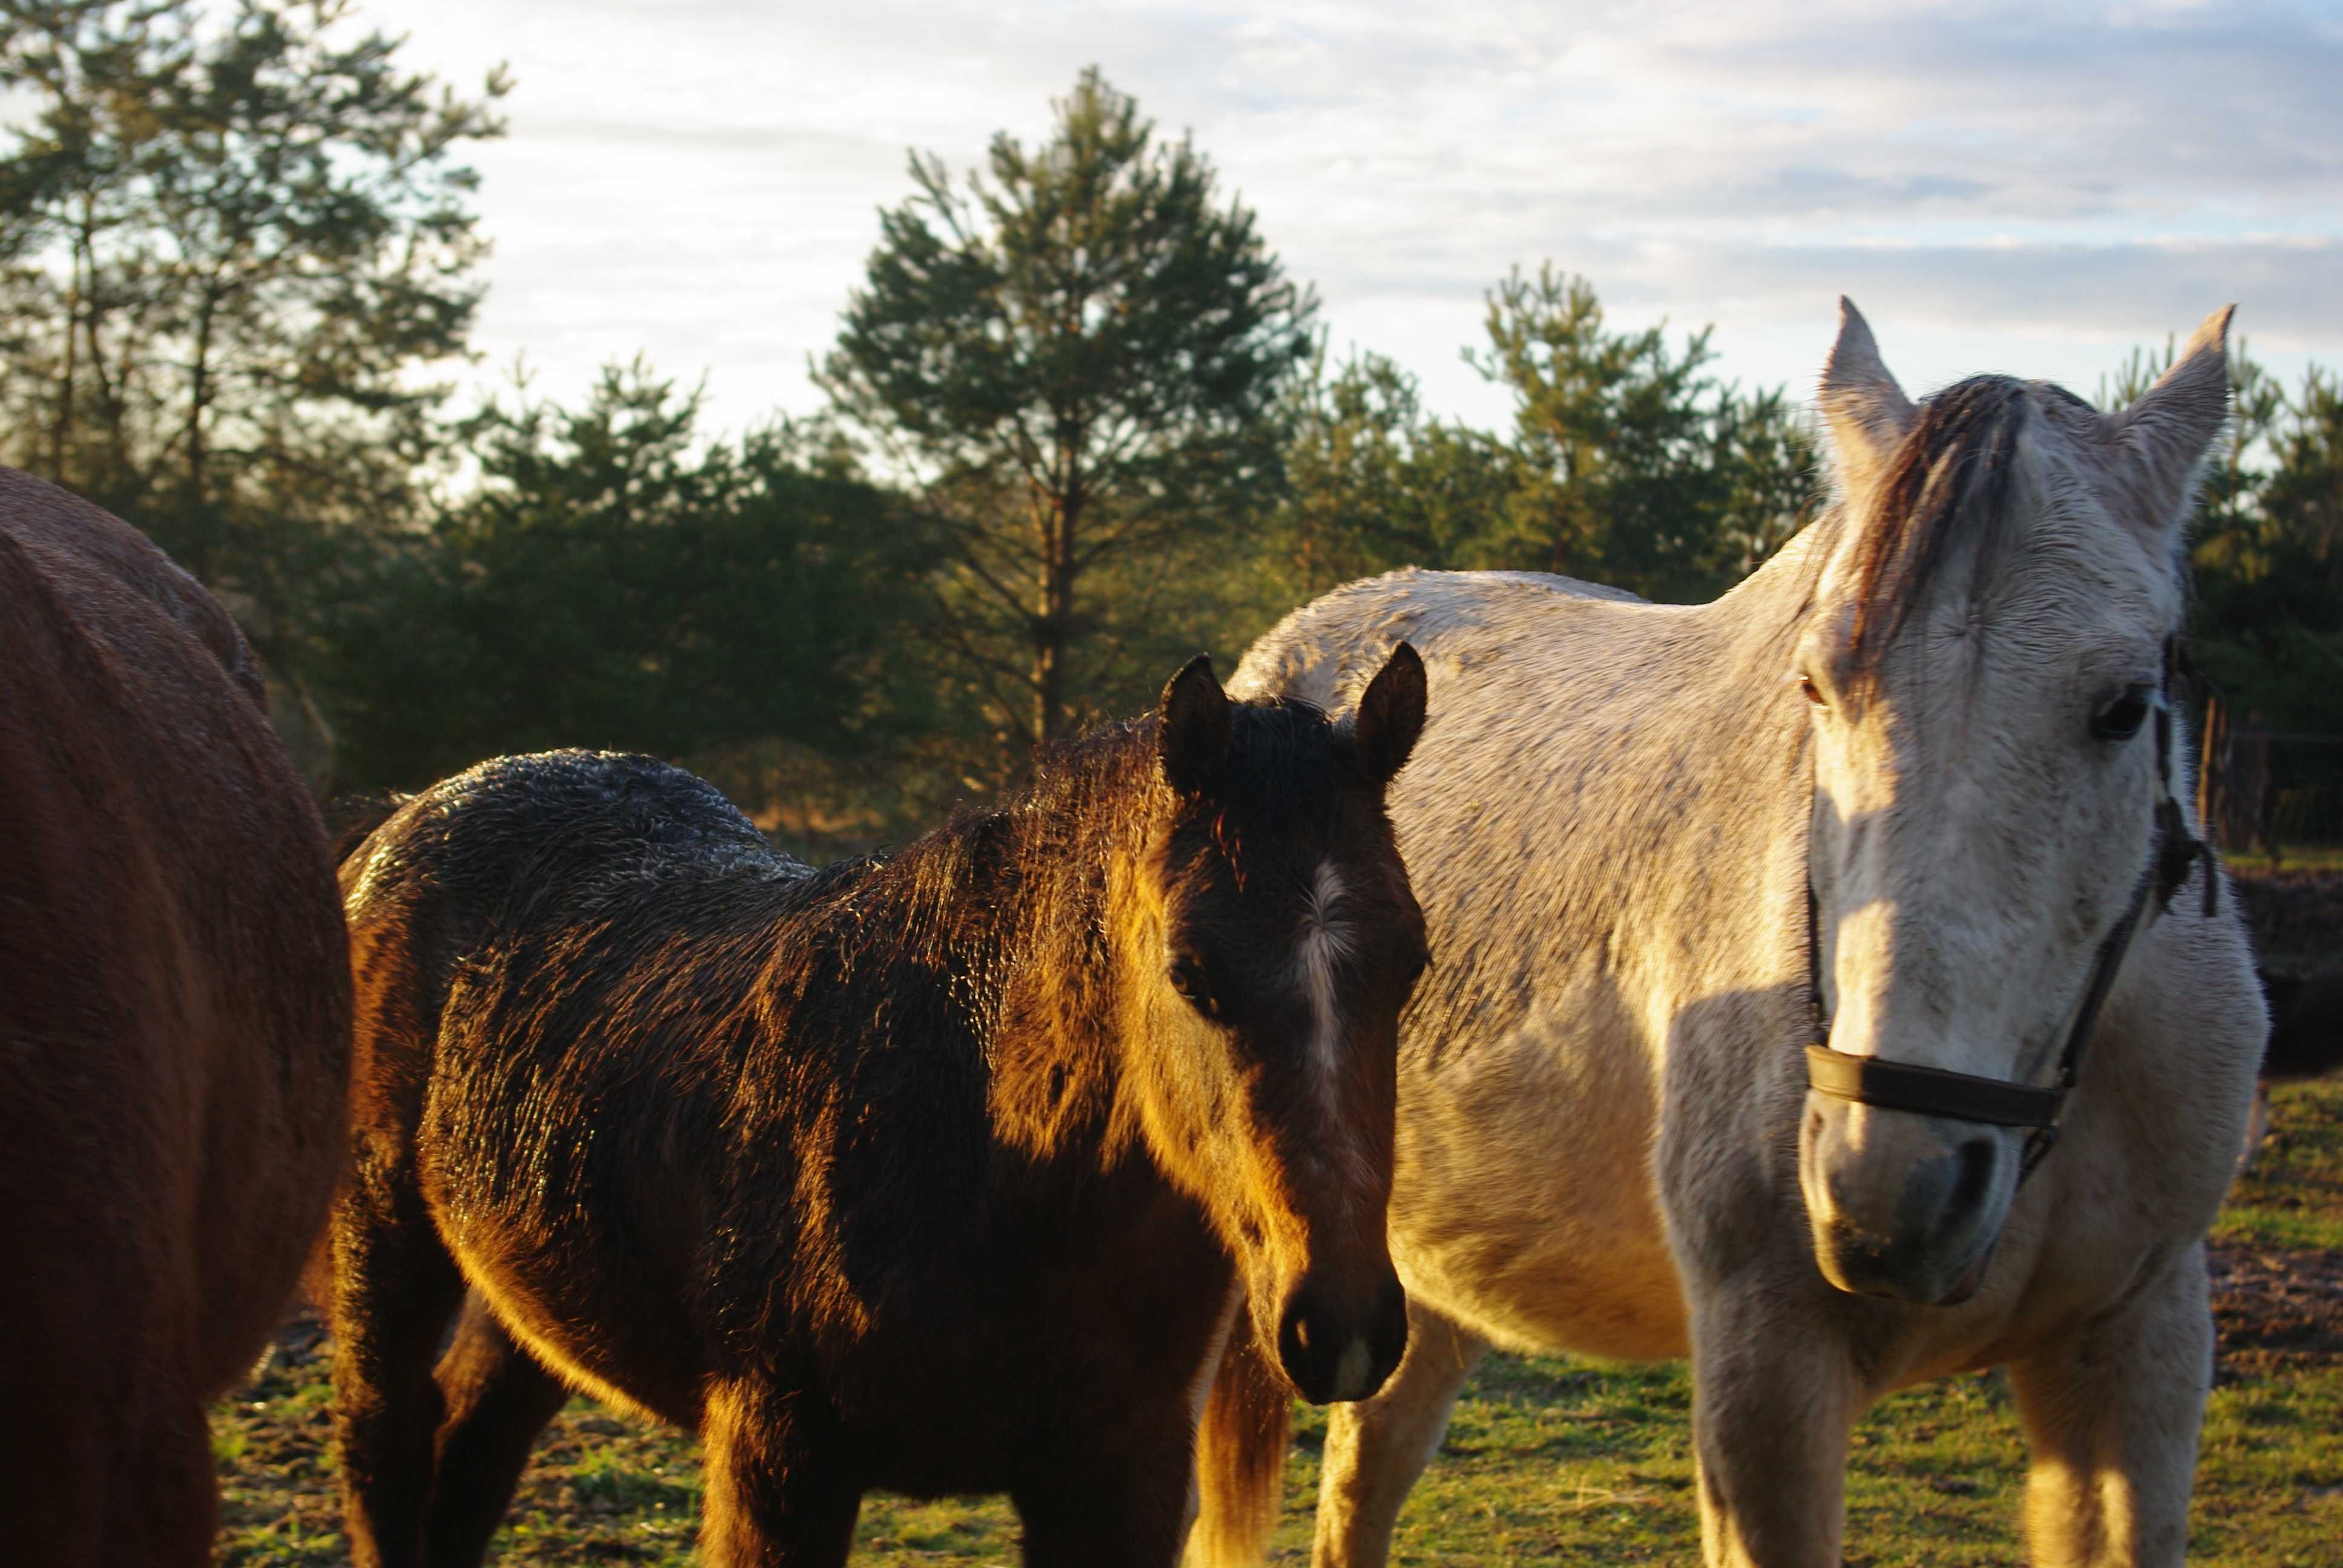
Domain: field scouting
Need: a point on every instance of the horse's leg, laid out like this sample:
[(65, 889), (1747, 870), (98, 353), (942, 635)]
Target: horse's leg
[(2111, 1415), (778, 1494), (499, 1398), (2256, 1127), (76, 1449), (1124, 1505), (163, 1503), (1774, 1401), (1375, 1449), (394, 1288)]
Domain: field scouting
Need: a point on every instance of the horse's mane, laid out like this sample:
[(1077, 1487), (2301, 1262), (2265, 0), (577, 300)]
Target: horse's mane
[(1087, 787), (1276, 739), (1948, 481)]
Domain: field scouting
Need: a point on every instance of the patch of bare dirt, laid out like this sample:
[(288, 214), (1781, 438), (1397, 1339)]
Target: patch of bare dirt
[(2275, 1307)]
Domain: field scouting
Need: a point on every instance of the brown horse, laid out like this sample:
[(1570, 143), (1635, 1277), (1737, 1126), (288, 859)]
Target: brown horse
[(935, 1173), (175, 1007)]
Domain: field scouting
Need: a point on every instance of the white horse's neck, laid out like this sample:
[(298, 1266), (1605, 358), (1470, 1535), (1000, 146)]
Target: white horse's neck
[(1718, 784)]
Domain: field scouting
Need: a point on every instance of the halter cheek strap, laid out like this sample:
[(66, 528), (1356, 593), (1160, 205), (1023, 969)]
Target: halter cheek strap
[(2173, 853)]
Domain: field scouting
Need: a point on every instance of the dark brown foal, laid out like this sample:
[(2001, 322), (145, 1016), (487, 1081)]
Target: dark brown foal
[(943, 1172)]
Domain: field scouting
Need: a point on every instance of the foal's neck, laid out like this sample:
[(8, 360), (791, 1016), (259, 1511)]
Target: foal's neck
[(1046, 883)]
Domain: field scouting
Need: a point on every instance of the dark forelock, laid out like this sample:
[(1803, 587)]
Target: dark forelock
[(1948, 481)]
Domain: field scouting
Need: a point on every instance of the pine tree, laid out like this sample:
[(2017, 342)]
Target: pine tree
[(1077, 359), (1647, 472), (226, 248)]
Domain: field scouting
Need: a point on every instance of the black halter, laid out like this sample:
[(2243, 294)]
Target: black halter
[(2173, 853)]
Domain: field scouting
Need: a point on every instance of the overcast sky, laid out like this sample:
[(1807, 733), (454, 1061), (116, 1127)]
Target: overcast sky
[(2030, 187)]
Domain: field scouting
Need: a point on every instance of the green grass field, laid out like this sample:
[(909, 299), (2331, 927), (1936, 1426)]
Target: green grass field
[(1547, 1456)]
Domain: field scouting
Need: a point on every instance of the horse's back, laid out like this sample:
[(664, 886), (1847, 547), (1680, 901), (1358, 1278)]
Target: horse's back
[(1326, 652), (173, 995), (555, 956), (550, 826), (555, 885)]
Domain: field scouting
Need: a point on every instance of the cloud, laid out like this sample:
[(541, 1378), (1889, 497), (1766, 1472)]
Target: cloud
[(2054, 181)]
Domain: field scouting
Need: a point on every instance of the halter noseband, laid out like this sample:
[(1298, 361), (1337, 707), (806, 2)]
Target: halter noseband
[(2173, 853)]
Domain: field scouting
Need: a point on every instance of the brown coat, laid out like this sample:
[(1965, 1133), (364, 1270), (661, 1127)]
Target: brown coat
[(174, 1011)]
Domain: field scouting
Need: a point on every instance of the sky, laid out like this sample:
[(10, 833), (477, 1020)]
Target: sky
[(2034, 188)]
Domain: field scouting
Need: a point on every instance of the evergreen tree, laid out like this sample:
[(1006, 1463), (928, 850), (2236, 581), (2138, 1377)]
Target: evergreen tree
[(1645, 471), (2269, 563), (1077, 359), (616, 582), (1374, 484), (1627, 464), (227, 247)]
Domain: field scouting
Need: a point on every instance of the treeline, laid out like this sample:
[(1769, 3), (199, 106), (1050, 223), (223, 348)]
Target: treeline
[(1079, 423)]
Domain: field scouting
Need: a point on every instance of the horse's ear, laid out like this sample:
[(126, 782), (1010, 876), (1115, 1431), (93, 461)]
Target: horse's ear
[(1868, 413), (1390, 715), (2165, 435), (1193, 739)]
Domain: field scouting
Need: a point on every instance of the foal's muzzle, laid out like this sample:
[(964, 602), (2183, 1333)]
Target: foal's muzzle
[(1338, 1346)]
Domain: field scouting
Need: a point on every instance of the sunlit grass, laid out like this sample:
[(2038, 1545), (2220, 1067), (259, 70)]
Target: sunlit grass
[(2306, 858), (2293, 1196), (1547, 1456)]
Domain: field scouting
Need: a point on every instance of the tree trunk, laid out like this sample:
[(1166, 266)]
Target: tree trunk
[(1560, 556), (199, 396), (60, 433), (1062, 510), (1054, 631)]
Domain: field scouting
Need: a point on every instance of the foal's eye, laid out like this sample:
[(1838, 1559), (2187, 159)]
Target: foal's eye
[(2121, 719), (1187, 978), (1807, 688)]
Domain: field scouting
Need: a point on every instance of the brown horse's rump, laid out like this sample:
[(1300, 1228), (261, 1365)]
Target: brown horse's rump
[(174, 1032)]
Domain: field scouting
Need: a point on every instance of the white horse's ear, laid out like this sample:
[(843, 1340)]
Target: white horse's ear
[(2166, 433), (1868, 413)]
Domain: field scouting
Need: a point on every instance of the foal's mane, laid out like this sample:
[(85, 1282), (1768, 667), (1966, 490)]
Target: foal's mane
[(1104, 783), (1279, 759)]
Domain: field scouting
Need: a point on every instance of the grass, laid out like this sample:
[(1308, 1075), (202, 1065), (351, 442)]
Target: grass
[(2296, 857), (1547, 1455), (2293, 1197)]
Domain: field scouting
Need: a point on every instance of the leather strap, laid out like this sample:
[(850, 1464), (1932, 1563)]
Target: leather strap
[(1932, 1090)]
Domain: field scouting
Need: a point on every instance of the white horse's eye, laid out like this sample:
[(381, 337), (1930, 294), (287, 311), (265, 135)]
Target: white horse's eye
[(1807, 688), (2121, 719)]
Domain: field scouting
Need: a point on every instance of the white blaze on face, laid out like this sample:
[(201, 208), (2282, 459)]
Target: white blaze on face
[(1325, 941)]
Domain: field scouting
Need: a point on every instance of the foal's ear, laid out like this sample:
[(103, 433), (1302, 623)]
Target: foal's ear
[(2165, 435), (1868, 413), (1390, 715), (1193, 739)]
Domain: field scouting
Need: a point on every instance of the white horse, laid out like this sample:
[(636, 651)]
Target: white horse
[(1918, 778)]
